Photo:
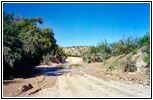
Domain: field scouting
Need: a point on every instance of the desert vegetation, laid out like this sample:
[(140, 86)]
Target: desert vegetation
[(26, 45), (124, 47)]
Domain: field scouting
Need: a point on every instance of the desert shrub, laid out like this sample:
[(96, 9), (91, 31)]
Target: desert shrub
[(105, 50), (59, 54), (98, 53), (99, 57), (89, 61), (124, 46), (128, 65), (133, 51), (122, 63), (147, 59), (145, 43)]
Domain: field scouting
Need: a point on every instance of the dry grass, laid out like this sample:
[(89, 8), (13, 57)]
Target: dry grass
[(114, 63), (74, 65)]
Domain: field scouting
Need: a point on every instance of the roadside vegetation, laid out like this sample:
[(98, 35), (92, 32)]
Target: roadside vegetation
[(124, 48), (120, 62), (26, 45)]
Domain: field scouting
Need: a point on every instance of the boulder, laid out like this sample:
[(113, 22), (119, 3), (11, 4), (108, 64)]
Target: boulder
[(25, 88)]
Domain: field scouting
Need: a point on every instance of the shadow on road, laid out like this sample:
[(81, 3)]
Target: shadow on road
[(37, 71), (6, 82), (50, 71)]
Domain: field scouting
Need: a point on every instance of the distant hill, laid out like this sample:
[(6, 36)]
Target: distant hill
[(75, 50)]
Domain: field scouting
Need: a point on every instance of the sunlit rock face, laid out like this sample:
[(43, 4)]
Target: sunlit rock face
[(76, 50), (138, 57)]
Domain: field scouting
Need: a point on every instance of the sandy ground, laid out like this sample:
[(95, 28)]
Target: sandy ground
[(11, 87), (88, 81), (74, 60), (88, 86)]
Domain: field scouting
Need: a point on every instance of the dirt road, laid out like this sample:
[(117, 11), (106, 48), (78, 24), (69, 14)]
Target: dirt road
[(88, 86), (84, 81), (85, 85)]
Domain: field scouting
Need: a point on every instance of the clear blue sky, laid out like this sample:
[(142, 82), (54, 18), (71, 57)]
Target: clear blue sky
[(76, 24)]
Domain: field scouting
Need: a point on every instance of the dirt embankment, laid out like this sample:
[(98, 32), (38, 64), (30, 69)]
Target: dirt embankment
[(12, 88)]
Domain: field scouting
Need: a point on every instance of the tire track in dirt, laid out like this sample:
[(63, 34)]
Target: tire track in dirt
[(82, 90), (64, 87), (114, 89), (95, 88), (84, 86)]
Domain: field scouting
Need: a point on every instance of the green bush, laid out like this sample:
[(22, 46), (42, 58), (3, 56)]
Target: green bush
[(133, 51), (98, 53), (147, 59), (145, 40), (25, 44), (145, 43), (124, 46)]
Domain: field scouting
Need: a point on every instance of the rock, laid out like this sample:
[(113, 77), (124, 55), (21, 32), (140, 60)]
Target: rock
[(139, 62), (146, 82), (140, 82), (25, 88)]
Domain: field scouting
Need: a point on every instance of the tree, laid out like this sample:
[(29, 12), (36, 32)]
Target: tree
[(25, 44)]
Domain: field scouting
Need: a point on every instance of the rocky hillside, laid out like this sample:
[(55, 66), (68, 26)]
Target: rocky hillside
[(75, 50)]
